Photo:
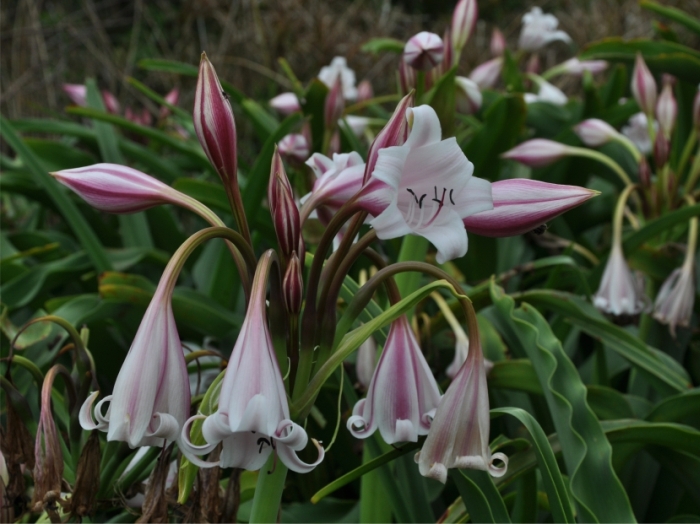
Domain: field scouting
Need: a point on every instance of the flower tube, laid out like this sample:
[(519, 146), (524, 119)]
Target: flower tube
[(402, 394)]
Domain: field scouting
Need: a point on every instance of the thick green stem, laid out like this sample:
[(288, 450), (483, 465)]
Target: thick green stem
[(413, 249), (268, 491), (620, 214)]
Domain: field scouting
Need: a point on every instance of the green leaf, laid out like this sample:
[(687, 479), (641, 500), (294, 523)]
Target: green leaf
[(442, 98), (313, 106), (208, 193), (480, 496), (380, 45), (674, 14), (587, 453), (659, 225), (517, 374)]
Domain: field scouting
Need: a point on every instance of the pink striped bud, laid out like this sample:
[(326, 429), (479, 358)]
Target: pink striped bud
[(521, 205), (424, 51), (365, 91), (285, 215), (538, 152), (463, 22), (662, 146), (286, 103), (667, 108), (214, 123), (119, 189), (294, 148), (595, 132), (498, 43), (335, 104), (643, 86), (111, 103), (407, 77), (394, 133), (146, 117), (467, 96), (293, 285), (487, 74), (448, 58), (77, 93)]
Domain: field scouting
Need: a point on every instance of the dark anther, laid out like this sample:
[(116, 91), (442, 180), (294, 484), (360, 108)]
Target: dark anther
[(262, 441), (440, 201), (540, 229), (420, 202), (452, 201)]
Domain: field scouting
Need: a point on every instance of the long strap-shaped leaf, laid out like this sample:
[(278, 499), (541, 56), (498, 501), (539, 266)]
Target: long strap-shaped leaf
[(596, 489)]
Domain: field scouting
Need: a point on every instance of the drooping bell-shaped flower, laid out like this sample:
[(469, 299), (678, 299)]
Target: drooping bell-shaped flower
[(621, 292), (402, 394), (294, 147), (521, 205), (467, 96), (252, 420), (459, 433), (285, 103), (151, 397), (428, 188), (498, 43), (643, 86), (595, 132), (487, 74), (539, 29), (366, 362), (339, 68), (538, 152), (424, 51), (463, 22), (637, 131)]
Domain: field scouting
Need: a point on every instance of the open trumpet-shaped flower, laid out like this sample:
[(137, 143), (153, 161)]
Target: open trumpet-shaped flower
[(402, 394), (428, 188), (621, 292), (253, 420), (459, 434)]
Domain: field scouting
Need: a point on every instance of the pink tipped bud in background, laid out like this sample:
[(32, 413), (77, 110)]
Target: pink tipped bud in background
[(424, 51), (574, 66), (394, 133), (533, 66), (463, 22), (214, 123), (111, 103), (662, 146), (407, 77), (467, 95), (335, 104), (498, 43), (365, 91), (521, 205), (293, 285), (286, 103), (595, 132), (77, 93), (294, 148), (643, 86), (667, 108), (171, 98), (538, 152), (487, 74), (285, 215)]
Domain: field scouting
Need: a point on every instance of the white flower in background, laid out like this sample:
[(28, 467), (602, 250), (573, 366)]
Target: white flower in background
[(339, 66), (621, 291), (637, 130), (539, 29), (546, 93)]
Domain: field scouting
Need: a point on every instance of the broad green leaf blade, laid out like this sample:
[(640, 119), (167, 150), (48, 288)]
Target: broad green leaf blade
[(481, 498), (379, 45), (674, 14), (659, 225), (596, 489)]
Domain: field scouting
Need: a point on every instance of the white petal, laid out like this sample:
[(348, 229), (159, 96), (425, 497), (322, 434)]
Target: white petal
[(290, 459), (390, 165), (476, 197), (448, 235), (426, 127), (390, 223)]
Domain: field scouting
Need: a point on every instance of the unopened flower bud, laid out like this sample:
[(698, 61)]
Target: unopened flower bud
[(644, 172), (574, 66), (335, 104), (538, 152), (595, 132), (285, 215), (424, 51), (365, 91), (77, 93), (643, 86), (533, 66), (294, 148), (467, 95), (394, 133), (498, 43), (463, 22), (667, 109), (111, 103), (286, 103), (448, 58), (293, 285), (662, 145), (171, 98), (487, 74), (214, 123)]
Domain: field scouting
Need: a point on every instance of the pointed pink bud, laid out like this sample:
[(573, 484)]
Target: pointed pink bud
[(448, 58), (111, 103), (335, 105), (533, 66), (252, 420), (463, 22), (119, 189), (402, 395), (537, 152), (285, 215), (171, 98), (643, 86), (487, 74), (286, 103), (595, 132), (521, 205), (77, 93), (574, 66), (365, 91), (294, 147), (394, 133), (423, 51), (293, 285), (674, 302), (498, 43), (459, 433), (662, 148), (621, 292), (667, 109), (468, 96), (214, 123), (407, 77)]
